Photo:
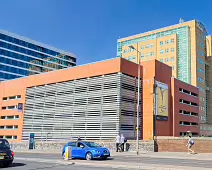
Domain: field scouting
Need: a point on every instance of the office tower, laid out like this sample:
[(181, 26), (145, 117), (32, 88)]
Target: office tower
[(21, 57), (181, 46)]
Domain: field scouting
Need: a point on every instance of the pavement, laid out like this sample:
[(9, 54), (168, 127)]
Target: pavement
[(174, 155), (32, 160)]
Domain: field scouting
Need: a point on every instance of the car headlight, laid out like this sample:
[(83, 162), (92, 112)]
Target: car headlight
[(97, 151)]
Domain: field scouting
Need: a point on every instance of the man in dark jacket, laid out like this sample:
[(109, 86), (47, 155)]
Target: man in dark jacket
[(79, 138)]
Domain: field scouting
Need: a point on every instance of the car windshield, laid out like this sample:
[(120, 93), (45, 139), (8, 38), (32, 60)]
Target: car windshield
[(92, 145), (4, 144)]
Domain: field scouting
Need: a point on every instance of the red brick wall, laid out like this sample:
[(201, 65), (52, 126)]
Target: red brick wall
[(176, 107), (201, 145)]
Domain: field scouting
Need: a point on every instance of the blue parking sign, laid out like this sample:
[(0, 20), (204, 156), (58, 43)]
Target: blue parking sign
[(20, 107)]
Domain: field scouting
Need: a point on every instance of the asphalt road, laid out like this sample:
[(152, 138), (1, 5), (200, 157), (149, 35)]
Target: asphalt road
[(28, 165), (130, 159)]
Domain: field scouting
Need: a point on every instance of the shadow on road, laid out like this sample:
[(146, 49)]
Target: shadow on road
[(108, 159)]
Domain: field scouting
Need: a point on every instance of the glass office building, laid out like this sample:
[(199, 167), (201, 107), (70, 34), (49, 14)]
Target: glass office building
[(21, 57)]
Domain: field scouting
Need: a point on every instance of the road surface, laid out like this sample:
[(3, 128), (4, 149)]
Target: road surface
[(132, 159), (28, 165), (27, 161)]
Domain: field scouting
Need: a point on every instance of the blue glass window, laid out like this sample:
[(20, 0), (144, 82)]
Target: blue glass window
[(201, 53), (202, 45), (26, 44), (200, 61), (200, 80), (200, 70)]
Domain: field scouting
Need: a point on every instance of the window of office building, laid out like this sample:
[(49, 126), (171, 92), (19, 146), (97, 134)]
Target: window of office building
[(152, 53), (172, 59), (172, 40), (182, 47), (167, 50), (172, 67), (167, 41), (147, 46), (172, 49), (161, 52), (130, 58), (161, 60), (148, 54), (161, 43), (167, 59)]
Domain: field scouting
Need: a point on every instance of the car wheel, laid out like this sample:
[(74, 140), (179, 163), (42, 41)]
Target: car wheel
[(88, 156)]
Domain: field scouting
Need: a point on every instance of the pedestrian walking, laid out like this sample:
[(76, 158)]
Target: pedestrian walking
[(118, 141), (190, 144), (122, 142)]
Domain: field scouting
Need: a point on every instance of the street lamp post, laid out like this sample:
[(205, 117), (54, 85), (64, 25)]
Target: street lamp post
[(138, 99)]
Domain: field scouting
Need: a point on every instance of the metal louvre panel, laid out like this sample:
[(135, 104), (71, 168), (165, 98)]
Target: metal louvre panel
[(69, 109), (128, 111), (92, 108)]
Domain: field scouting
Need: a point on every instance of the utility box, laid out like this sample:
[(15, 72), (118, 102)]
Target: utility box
[(68, 153)]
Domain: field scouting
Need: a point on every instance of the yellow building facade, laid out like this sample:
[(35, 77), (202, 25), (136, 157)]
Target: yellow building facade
[(183, 47)]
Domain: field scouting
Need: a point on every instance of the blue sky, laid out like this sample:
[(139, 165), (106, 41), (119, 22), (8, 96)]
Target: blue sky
[(90, 28)]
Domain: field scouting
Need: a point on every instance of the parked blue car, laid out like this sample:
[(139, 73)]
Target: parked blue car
[(86, 150)]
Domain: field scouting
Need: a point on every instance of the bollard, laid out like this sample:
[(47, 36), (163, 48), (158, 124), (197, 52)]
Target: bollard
[(68, 153)]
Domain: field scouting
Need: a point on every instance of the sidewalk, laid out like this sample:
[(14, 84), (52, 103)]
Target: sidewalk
[(178, 155), (167, 155)]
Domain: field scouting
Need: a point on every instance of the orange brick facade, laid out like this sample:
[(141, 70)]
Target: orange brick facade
[(150, 71), (18, 87)]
